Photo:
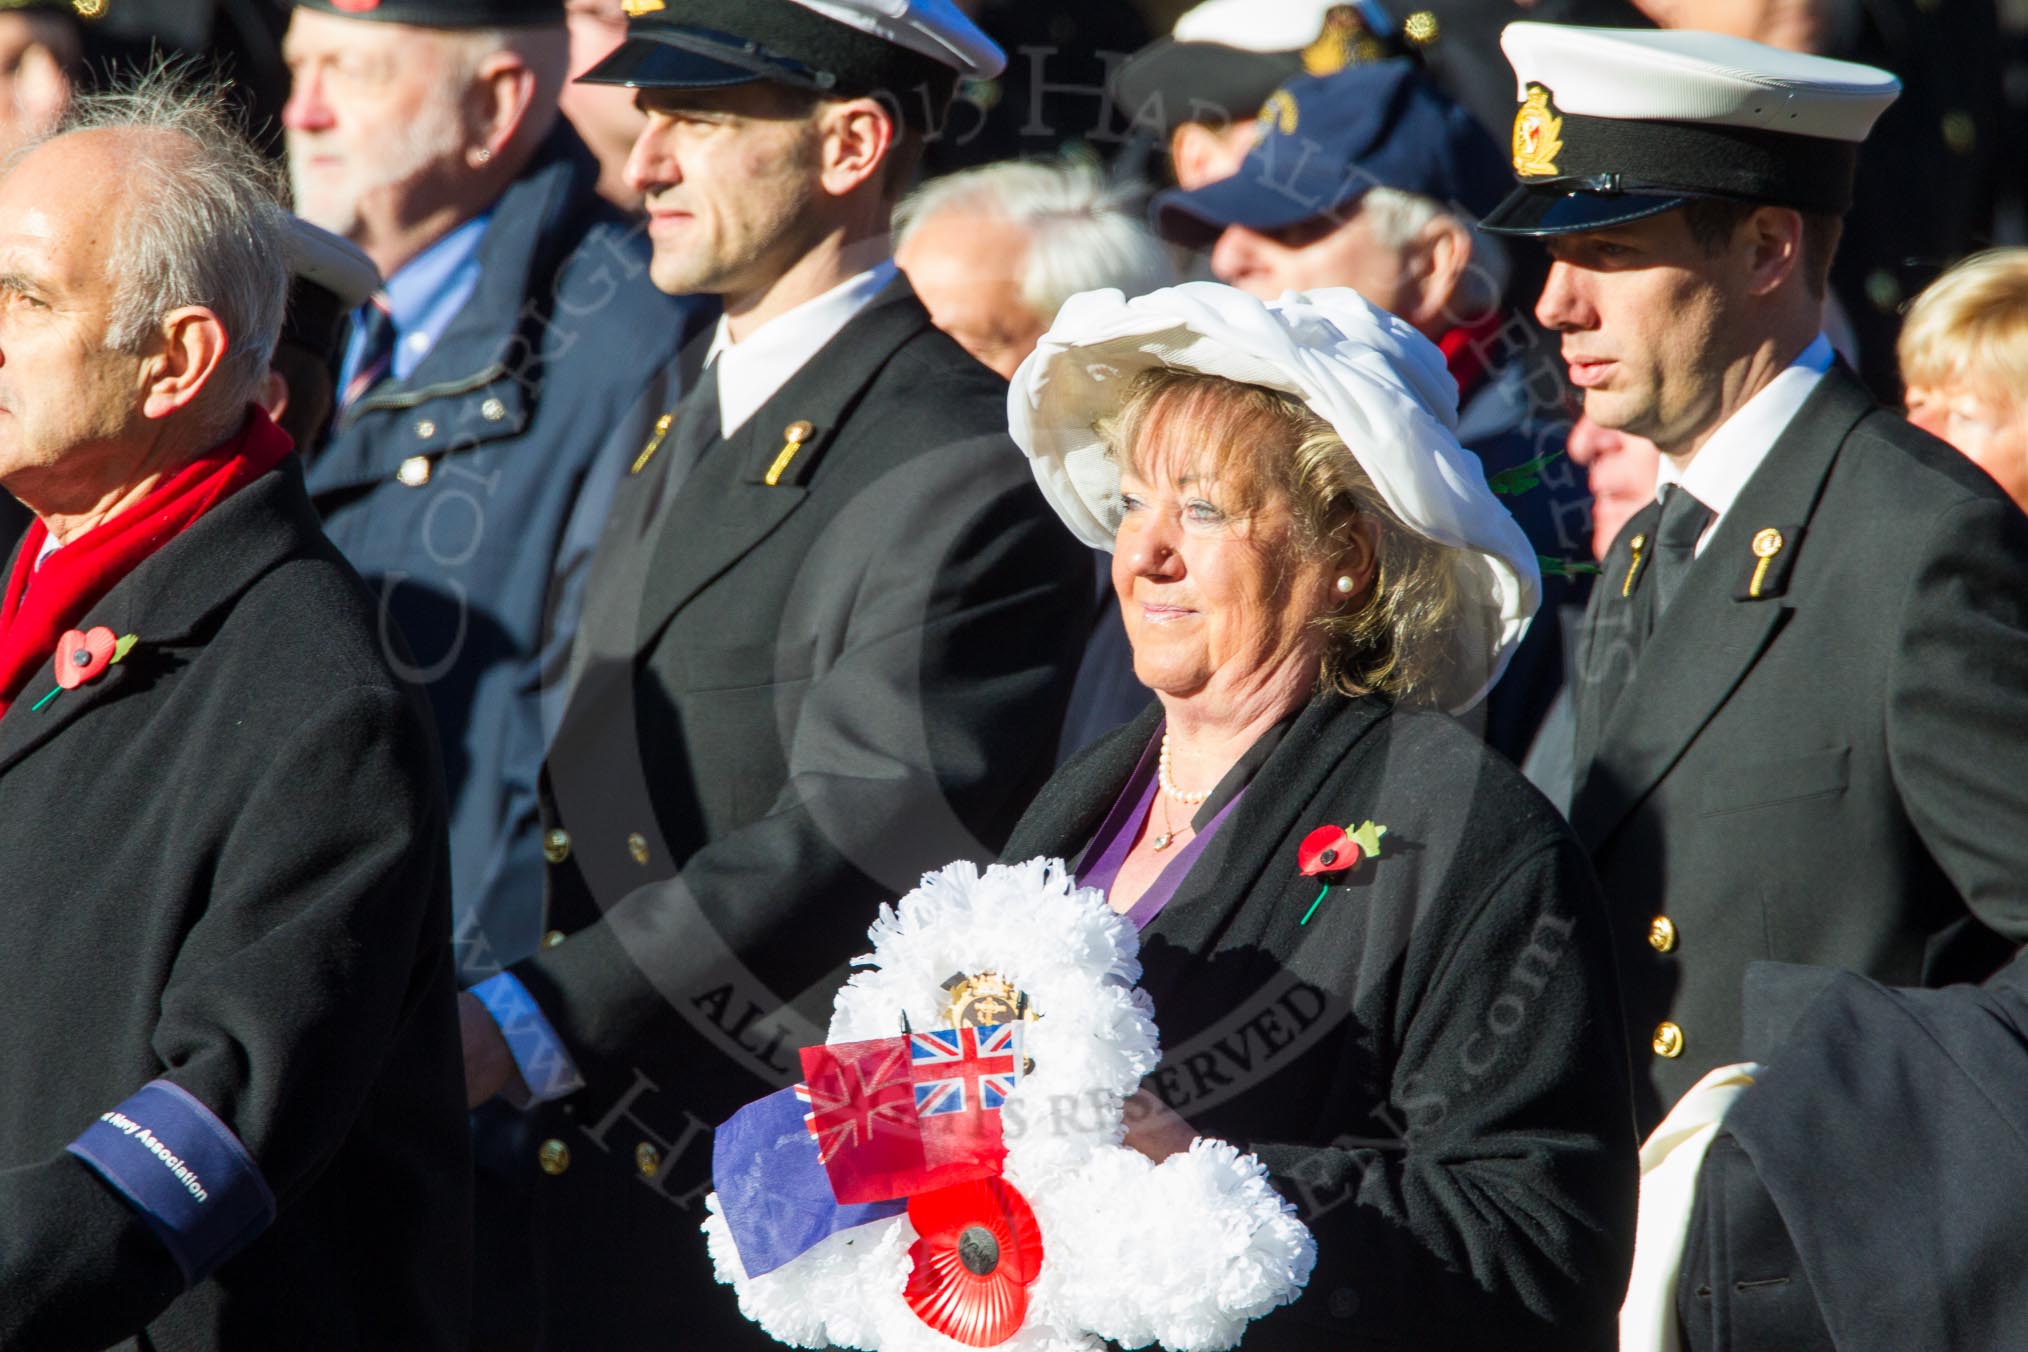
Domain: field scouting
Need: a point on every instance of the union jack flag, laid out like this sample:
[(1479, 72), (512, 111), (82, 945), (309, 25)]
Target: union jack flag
[(962, 1070)]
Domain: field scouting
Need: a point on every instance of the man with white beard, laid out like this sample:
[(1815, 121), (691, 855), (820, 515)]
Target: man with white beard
[(485, 397)]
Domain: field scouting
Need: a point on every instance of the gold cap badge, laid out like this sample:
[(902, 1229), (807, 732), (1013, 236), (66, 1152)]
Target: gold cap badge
[(1279, 113), (1538, 135)]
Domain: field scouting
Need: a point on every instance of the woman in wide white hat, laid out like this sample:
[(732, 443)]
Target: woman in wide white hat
[(1378, 957)]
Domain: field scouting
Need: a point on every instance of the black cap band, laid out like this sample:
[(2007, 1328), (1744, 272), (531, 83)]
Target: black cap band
[(1619, 155), (696, 44), (445, 13)]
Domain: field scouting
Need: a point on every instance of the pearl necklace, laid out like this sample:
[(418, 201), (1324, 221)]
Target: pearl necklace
[(1168, 784)]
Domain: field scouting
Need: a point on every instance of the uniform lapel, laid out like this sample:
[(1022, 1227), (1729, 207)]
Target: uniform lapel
[(725, 506), (1704, 647)]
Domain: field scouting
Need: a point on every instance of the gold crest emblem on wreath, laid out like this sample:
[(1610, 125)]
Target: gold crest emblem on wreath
[(1538, 135), (984, 999), (634, 9)]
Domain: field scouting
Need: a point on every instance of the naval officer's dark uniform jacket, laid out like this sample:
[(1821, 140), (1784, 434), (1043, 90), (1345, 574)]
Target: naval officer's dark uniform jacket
[(224, 869), (1433, 1068), (819, 657), (1823, 760), (471, 492)]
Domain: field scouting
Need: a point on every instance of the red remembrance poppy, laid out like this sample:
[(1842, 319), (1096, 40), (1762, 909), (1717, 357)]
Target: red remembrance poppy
[(979, 1250), (81, 657), (1326, 850)]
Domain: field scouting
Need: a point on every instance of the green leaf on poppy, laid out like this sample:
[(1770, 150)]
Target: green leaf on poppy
[(1367, 838), (1509, 482), (125, 646), (1555, 567)]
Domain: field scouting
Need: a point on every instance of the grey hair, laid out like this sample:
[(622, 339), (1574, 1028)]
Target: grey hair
[(208, 228), (1399, 217), (1083, 233)]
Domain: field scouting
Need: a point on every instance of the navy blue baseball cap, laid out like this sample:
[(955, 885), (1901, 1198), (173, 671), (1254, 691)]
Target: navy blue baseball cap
[(1325, 140)]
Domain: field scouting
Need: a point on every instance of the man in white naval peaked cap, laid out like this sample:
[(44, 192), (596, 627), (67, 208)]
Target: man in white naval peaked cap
[(828, 638), (1795, 665)]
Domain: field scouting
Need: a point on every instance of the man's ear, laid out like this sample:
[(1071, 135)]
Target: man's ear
[(191, 344), (502, 93), (1437, 258), (856, 138), (273, 395), (1773, 239)]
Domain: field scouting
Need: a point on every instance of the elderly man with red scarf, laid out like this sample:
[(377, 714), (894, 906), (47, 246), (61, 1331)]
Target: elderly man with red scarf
[(230, 1109)]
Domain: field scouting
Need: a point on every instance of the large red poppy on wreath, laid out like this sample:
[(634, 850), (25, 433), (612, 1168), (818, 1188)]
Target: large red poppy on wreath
[(979, 1250)]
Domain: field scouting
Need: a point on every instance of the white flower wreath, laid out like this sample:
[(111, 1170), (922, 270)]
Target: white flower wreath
[(1184, 1253)]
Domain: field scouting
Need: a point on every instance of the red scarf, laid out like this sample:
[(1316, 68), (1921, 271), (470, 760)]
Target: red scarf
[(76, 577), (1465, 351)]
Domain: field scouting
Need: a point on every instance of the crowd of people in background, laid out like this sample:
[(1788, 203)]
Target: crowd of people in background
[(541, 500)]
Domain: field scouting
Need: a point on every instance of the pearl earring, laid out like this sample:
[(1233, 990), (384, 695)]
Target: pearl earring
[(1344, 586), (482, 156)]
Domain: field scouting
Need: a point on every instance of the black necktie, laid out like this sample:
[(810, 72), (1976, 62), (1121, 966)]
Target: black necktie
[(376, 349), (1682, 524), (693, 427)]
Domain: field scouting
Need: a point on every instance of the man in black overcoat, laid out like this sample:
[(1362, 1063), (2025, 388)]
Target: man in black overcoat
[(229, 1108), (828, 640), (1805, 669), (1864, 1194)]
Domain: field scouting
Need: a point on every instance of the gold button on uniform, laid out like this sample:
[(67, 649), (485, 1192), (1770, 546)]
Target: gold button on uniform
[(553, 1156), (553, 938), (1662, 934), (1668, 1042), (556, 845), (637, 846), (414, 471), (647, 1159), (425, 429), (492, 410)]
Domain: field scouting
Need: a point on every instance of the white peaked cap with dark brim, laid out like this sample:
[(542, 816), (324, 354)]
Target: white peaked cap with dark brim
[(1381, 385), (1616, 124)]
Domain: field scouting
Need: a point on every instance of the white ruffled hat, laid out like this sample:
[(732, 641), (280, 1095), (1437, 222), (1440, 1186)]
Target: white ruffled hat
[(1382, 385)]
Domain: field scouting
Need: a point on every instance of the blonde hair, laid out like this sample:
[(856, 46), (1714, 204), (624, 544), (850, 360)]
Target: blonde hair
[(1970, 327), (1402, 640)]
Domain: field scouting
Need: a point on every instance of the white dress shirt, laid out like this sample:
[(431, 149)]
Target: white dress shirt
[(751, 371), (1722, 466)]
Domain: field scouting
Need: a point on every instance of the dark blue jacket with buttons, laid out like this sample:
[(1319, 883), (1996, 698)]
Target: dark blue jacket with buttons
[(470, 495)]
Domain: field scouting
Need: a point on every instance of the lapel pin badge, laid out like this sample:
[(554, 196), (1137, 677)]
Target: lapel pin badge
[(662, 425), (793, 437), (1766, 545), (1639, 545)]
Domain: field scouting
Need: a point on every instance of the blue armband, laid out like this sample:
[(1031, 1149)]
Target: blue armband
[(173, 1161)]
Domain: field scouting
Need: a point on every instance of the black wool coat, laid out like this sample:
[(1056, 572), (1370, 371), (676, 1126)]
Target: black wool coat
[(1865, 1194), (790, 700), (1832, 771), (225, 867), (1433, 1069), (14, 519)]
